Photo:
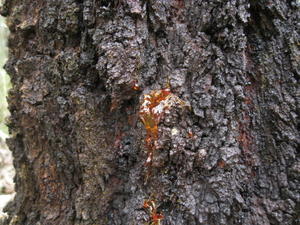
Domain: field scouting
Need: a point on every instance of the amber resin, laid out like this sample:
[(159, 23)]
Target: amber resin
[(154, 215), (153, 107)]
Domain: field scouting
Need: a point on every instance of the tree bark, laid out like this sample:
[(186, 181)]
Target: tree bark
[(225, 77)]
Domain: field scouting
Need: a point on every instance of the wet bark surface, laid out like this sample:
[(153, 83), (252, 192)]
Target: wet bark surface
[(80, 71)]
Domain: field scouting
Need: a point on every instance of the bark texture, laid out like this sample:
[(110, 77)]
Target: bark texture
[(80, 69)]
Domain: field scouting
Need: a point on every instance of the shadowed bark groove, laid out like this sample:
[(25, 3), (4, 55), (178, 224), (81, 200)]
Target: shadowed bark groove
[(80, 69)]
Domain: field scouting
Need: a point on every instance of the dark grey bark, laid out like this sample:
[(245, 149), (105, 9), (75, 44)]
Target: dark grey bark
[(79, 70)]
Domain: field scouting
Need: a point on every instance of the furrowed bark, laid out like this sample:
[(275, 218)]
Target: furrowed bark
[(80, 70)]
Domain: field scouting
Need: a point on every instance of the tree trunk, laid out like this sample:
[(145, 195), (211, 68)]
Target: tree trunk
[(154, 112)]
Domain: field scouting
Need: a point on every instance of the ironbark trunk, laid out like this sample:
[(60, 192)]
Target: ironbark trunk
[(227, 144)]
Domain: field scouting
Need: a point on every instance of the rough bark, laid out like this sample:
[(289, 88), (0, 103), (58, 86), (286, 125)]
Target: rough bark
[(80, 69)]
